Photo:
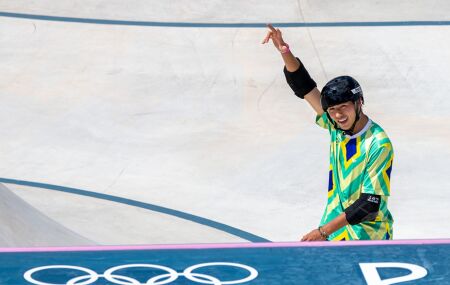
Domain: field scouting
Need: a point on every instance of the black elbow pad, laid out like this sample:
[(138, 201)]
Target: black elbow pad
[(364, 209), (300, 81)]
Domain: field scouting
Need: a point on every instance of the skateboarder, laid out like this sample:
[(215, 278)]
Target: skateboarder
[(361, 154)]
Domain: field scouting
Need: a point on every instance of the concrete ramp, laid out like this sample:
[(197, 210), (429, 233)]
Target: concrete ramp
[(23, 225)]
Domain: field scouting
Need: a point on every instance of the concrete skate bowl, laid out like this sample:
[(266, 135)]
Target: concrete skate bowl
[(181, 107)]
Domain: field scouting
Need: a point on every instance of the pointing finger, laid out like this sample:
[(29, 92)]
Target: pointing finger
[(266, 39), (271, 28)]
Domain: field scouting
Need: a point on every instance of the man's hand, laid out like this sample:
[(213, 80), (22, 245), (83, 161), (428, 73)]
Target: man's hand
[(335, 224), (277, 38), (313, 235)]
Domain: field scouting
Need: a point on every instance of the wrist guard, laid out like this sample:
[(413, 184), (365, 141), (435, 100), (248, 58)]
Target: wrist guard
[(300, 81), (364, 209)]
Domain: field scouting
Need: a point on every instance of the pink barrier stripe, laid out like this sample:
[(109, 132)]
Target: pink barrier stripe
[(226, 245)]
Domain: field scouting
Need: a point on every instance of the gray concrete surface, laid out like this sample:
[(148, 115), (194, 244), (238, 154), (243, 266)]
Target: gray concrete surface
[(201, 120), (22, 225)]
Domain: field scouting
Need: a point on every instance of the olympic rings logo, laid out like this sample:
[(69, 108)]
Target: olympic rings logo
[(171, 275)]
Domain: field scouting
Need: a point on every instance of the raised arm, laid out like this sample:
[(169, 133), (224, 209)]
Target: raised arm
[(296, 74)]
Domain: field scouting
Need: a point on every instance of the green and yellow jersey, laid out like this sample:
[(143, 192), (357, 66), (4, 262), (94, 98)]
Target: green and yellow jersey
[(359, 164)]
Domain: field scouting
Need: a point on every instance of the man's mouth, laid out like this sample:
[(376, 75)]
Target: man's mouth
[(342, 121)]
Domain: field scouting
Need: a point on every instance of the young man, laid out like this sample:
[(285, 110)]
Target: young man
[(361, 155)]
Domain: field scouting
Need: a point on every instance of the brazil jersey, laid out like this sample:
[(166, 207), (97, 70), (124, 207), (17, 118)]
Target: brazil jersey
[(361, 163)]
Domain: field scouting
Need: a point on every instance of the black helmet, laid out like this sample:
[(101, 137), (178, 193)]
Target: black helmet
[(340, 90)]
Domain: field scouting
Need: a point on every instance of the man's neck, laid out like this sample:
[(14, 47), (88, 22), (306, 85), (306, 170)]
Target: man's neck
[(361, 123)]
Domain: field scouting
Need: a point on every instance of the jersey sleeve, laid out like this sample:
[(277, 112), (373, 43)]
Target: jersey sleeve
[(323, 122), (378, 172)]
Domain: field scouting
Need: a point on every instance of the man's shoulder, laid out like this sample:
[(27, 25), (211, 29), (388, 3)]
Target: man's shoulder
[(377, 137)]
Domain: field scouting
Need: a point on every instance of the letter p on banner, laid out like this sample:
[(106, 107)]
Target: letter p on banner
[(372, 277)]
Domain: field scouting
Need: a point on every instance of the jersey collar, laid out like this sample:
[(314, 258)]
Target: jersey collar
[(366, 127)]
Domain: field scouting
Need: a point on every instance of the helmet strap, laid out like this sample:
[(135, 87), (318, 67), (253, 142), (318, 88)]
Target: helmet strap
[(334, 123), (350, 132)]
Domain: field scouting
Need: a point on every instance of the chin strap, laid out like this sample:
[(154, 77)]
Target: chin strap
[(358, 116), (348, 132)]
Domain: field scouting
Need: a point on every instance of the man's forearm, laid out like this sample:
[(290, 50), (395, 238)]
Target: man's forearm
[(290, 61), (335, 224)]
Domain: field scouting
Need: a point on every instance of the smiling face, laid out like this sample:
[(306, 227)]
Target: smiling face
[(343, 114)]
